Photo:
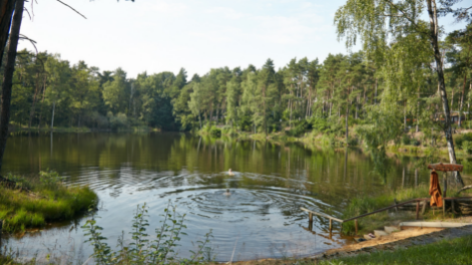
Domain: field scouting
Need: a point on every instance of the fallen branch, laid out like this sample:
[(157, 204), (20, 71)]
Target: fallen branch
[(463, 189)]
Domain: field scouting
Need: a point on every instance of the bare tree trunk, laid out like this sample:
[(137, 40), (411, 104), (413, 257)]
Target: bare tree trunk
[(52, 115), (34, 101), (463, 92), (375, 95), (405, 128), (418, 112), (434, 32), (7, 7), (8, 76), (42, 101)]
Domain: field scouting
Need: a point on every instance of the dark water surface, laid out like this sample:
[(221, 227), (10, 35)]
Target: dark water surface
[(260, 219)]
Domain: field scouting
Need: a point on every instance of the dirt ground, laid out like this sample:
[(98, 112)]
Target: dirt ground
[(402, 239)]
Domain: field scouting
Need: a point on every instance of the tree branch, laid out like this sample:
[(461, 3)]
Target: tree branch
[(71, 8)]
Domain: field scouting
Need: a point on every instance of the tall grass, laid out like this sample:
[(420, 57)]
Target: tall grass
[(366, 204), (33, 202), (143, 249)]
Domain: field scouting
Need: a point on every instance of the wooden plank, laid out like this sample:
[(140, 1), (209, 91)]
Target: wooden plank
[(322, 214)]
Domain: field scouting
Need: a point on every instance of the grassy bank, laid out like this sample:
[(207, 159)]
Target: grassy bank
[(33, 202), (456, 251)]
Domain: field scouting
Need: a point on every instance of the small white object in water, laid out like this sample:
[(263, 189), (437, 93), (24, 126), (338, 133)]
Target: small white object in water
[(227, 193), (230, 172)]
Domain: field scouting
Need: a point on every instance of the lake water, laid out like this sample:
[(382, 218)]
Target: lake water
[(260, 219)]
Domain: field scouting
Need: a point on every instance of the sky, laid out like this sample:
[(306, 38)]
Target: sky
[(166, 35)]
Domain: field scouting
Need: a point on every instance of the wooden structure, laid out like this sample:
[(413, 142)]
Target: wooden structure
[(417, 201), (445, 168), (438, 167)]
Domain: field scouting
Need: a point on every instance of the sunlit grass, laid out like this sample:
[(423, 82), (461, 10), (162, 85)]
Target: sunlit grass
[(37, 201), (366, 204), (455, 251)]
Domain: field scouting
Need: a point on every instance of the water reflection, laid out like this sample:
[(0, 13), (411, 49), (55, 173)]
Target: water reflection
[(261, 218)]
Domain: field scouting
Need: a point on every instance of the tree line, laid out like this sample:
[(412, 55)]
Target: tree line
[(328, 96)]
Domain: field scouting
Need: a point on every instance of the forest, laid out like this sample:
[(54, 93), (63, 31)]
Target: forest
[(386, 93)]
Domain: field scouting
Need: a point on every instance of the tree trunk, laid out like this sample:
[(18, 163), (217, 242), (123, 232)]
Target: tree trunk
[(463, 93), (34, 101), (405, 128), (418, 112), (42, 102), (375, 95), (8, 76), (432, 12), (347, 121), (7, 7), (52, 115)]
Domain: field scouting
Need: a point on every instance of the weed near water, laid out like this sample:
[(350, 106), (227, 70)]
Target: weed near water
[(32, 202), (143, 250), (366, 204)]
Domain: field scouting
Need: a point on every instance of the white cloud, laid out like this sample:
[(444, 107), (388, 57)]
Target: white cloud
[(170, 8), (226, 12)]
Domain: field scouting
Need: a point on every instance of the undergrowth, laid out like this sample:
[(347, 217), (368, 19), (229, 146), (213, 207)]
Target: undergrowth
[(143, 249), (33, 202), (366, 204)]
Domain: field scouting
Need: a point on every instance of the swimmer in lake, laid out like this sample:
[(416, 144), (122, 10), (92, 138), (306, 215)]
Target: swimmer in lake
[(227, 193), (230, 172)]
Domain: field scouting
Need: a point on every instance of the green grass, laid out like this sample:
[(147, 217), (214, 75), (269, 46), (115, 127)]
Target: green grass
[(366, 204), (455, 251), (33, 202)]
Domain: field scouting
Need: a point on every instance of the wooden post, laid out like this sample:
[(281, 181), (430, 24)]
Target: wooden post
[(330, 225), (355, 225), (310, 217), (424, 207), (444, 194), (417, 210), (1, 227)]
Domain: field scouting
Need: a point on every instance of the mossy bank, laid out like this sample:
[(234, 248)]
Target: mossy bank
[(35, 201)]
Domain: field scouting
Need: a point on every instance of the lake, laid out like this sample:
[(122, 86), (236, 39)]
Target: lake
[(260, 219)]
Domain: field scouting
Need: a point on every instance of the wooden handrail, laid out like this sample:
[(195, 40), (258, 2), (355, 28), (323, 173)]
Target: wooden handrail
[(322, 214), (386, 208), (418, 200)]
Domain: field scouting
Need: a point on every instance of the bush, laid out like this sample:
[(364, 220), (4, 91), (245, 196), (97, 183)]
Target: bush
[(142, 250), (215, 132), (406, 140), (320, 124), (461, 138), (300, 128), (467, 147)]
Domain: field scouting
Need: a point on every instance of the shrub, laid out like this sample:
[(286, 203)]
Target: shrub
[(406, 140), (467, 147), (215, 132), (300, 128), (142, 250)]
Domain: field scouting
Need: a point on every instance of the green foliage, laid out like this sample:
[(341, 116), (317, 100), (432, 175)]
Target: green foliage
[(447, 251), (300, 128), (143, 250), (467, 147), (215, 132), (406, 140), (366, 204), (41, 200)]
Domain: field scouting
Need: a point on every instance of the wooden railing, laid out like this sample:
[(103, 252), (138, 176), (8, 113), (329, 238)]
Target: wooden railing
[(396, 205)]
